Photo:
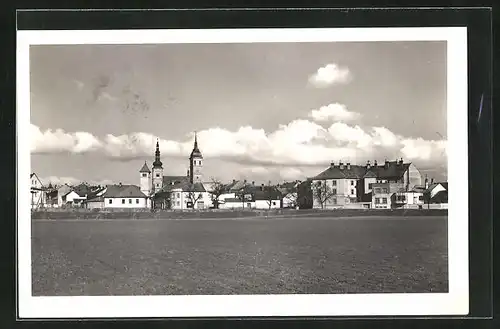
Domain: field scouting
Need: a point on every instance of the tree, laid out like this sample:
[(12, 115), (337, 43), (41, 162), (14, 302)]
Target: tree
[(322, 192), (193, 197), (271, 194), (242, 194), (217, 190), (292, 196)]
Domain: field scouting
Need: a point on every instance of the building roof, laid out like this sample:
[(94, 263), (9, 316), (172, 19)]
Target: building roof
[(268, 193), (390, 170), (123, 191), (82, 190), (171, 180), (196, 153), (145, 168), (96, 199), (184, 186)]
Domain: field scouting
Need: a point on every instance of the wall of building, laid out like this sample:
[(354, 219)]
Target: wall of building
[(95, 205), (264, 204), (129, 203), (412, 178), (180, 199), (145, 183), (367, 182)]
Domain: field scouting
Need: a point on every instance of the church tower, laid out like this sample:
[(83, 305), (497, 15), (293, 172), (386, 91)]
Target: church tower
[(145, 179), (157, 170), (195, 163)]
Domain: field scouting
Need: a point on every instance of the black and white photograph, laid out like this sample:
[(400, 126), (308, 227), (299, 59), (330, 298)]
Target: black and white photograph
[(302, 172)]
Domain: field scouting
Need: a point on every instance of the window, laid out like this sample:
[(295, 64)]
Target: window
[(334, 191), (376, 190), (334, 182), (178, 195), (144, 175), (157, 185), (352, 192), (137, 201), (370, 186), (384, 200), (129, 201), (377, 200), (384, 190), (157, 175), (352, 183), (274, 203), (420, 198), (110, 201), (334, 200), (123, 201), (178, 203)]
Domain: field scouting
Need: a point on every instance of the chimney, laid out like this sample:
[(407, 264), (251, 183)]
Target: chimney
[(120, 184), (341, 165), (401, 161), (253, 183), (432, 180), (332, 164), (426, 182), (245, 181), (375, 163), (348, 166), (386, 164), (234, 181), (368, 165), (262, 187)]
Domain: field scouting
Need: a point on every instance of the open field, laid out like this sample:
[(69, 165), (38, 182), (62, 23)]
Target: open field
[(250, 256)]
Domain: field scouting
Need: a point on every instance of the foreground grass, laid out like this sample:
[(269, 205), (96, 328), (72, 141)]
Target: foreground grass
[(261, 256)]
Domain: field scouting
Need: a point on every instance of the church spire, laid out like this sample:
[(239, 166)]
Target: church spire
[(196, 153), (157, 163)]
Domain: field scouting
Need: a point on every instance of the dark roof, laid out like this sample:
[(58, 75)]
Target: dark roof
[(237, 186), (82, 190), (393, 170), (168, 180), (96, 199), (196, 153), (232, 200), (145, 168), (445, 185), (123, 191), (185, 186), (267, 193)]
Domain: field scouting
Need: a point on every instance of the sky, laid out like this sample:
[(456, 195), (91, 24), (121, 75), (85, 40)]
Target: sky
[(262, 111)]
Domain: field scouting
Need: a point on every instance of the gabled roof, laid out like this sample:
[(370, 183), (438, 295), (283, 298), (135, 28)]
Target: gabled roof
[(145, 168), (168, 180), (184, 186), (392, 171), (268, 193), (123, 191)]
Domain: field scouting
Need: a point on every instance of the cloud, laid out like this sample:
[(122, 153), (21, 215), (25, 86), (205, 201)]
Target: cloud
[(80, 85), (58, 141), (329, 75), (335, 112), (72, 181)]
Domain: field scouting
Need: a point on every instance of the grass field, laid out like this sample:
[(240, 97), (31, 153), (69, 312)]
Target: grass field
[(251, 256)]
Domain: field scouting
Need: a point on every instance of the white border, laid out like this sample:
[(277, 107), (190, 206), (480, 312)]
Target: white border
[(456, 302)]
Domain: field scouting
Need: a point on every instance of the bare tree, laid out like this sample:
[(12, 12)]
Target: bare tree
[(242, 194), (322, 192), (271, 194), (193, 197), (218, 188)]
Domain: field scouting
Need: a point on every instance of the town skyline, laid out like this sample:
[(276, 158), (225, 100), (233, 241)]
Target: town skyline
[(262, 112)]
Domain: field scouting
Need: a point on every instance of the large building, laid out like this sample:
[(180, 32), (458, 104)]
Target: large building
[(346, 185), (176, 192)]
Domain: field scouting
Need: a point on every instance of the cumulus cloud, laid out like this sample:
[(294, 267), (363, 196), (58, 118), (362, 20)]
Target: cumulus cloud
[(335, 112), (298, 144), (57, 141), (329, 75)]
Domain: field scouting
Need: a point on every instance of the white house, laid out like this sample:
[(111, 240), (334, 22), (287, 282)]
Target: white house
[(124, 196), (38, 195)]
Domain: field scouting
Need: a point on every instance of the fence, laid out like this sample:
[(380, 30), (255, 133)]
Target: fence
[(95, 214)]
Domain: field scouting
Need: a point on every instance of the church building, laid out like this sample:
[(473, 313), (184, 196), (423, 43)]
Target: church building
[(176, 192)]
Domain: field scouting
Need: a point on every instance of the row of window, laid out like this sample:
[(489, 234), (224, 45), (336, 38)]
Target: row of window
[(377, 200), (123, 201), (379, 190)]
